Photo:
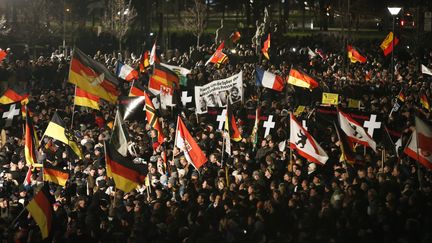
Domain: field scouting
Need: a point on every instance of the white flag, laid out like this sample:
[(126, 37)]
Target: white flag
[(355, 131), (305, 144), (426, 70)]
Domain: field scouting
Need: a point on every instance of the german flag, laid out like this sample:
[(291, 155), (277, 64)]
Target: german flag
[(388, 43), (230, 129), (144, 63), (54, 174), (31, 142), (231, 126), (152, 118), (425, 102), (354, 55), (127, 175), (57, 130), (346, 146), (401, 96), (13, 93), (93, 77), (266, 47), (136, 90), (235, 36), (40, 208), (162, 76), (301, 79), (83, 98)]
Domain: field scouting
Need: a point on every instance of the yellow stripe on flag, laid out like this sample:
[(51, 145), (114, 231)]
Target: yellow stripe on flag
[(39, 216), (86, 102)]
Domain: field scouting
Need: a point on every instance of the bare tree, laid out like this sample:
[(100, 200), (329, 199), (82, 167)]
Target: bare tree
[(4, 28), (196, 20), (118, 18)]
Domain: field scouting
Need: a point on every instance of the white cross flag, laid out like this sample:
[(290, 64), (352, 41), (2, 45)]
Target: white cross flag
[(372, 124), (268, 125), (221, 119), (10, 114), (185, 99)]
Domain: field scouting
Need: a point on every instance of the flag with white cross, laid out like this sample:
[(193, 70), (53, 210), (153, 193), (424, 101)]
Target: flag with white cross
[(10, 115)]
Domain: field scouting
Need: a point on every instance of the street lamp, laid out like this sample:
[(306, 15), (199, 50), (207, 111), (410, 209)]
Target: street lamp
[(393, 11)]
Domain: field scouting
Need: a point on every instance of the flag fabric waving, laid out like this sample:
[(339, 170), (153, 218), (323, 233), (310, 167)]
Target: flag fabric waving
[(3, 55), (354, 55), (40, 208), (235, 36), (13, 93), (153, 58), (218, 57), (186, 143), (120, 135), (55, 174), (126, 174), (136, 89), (420, 145), (268, 80), (31, 142), (180, 71), (152, 118), (389, 43), (93, 77), (355, 131), (162, 77), (230, 129), (266, 47), (83, 98), (426, 70), (346, 146), (424, 101), (57, 130), (126, 72), (144, 63), (305, 144), (301, 79)]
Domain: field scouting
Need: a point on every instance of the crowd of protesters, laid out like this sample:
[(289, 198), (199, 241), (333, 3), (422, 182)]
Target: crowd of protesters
[(257, 194)]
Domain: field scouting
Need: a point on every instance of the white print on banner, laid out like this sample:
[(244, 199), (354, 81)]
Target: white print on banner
[(217, 93)]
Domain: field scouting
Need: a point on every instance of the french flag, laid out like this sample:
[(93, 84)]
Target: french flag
[(268, 80), (126, 72)]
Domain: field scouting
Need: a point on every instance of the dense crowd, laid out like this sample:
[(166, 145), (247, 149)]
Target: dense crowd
[(257, 194)]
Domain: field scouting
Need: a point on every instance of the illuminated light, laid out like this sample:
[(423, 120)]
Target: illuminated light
[(394, 10)]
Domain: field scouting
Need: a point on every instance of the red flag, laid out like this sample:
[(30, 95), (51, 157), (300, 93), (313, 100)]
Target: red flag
[(266, 47), (186, 143), (235, 36), (3, 55), (354, 55), (218, 57)]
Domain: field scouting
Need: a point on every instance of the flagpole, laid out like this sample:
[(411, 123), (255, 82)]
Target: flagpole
[(17, 217), (383, 155), (73, 110), (418, 158), (175, 137), (130, 89), (223, 147)]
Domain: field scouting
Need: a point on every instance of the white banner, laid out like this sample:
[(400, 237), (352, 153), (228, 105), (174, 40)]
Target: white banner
[(217, 93)]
